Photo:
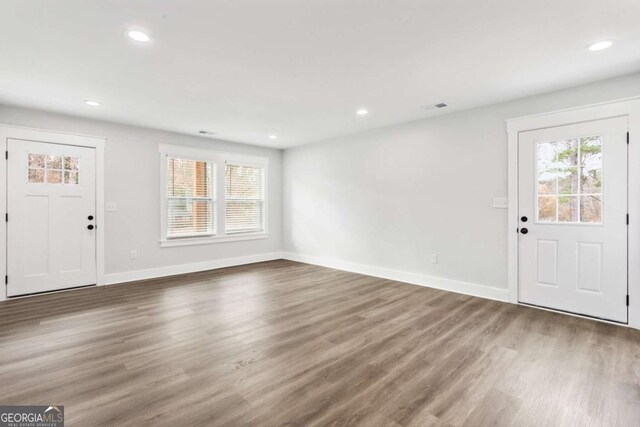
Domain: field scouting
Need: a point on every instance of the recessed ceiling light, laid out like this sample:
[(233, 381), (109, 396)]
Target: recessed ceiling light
[(92, 103), (273, 136), (139, 36), (600, 45), (362, 112)]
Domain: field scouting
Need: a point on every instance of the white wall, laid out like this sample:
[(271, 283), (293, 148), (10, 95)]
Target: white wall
[(386, 198), (389, 198), (132, 174)]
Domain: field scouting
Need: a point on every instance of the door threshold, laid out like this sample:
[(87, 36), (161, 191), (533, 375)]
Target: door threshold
[(571, 313), (53, 291)]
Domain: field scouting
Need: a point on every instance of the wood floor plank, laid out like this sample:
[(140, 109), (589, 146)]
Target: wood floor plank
[(286, 343)]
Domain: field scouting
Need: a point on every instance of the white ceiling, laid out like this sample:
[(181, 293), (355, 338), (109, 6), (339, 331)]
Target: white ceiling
[(301, 68)]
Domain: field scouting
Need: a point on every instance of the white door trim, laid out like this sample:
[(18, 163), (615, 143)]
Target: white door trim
[(17, 132), (626, 107)]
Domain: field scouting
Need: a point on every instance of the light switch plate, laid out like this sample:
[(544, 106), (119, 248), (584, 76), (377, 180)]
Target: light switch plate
[(500, 202), (112, 207)]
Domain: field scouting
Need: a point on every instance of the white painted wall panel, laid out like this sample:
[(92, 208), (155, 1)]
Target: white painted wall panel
[(391, 197)]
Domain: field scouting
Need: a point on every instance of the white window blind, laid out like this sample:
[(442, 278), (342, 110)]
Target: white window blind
[(244, 197), (190, 198)]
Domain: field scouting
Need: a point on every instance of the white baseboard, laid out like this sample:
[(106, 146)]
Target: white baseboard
[(172, 270), (458, 286)]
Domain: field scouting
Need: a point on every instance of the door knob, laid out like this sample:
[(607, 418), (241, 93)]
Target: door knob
[(524, 219), (90, 226), (90, 217), (524, 231)]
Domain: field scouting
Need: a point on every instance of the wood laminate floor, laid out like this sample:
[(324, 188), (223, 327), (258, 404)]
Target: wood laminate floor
[(284, 343)]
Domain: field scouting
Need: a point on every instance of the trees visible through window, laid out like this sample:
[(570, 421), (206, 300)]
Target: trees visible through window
[(570, 180), (53, 169)]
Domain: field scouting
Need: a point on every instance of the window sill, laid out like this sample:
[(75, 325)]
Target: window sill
[(189, 241)]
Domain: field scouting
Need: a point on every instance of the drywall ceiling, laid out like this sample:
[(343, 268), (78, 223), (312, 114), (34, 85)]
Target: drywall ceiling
[(300, 69)]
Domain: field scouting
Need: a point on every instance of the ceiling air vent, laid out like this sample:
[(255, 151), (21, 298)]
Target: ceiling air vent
[(433, 107)]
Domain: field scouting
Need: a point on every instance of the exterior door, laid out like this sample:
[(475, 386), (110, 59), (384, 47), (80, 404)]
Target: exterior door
[(573, 218), (51, 204)]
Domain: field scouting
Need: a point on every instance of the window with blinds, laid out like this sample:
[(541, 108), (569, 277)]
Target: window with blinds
[(190, 198), (244, 198)]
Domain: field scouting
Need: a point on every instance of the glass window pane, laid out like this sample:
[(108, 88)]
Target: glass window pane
[(547, 183), (54, 177), (570, 170), (36, 176), (243, 182), (591, 151), (547, 208), (567, 153), (70, 177), (36, 161), (188, 178), (54, 162), (591, 209), (71, 163), (590, 180), (568, 180), (243, 215), (568, 208), (189, 217), (244, 198), (547, 156)]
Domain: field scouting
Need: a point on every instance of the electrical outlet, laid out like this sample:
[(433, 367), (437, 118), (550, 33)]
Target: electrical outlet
[(434, 258), (133, 254)]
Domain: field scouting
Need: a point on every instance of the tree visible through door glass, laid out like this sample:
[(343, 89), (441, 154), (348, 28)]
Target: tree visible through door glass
[(52, 169), (570, 180)]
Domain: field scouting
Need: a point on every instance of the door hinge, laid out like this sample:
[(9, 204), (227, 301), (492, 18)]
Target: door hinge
[(627, 219), (6, 217), (6, 280), (627, 300), (627, 138), (6, 154)]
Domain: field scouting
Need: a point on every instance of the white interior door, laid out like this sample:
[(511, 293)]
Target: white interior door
[(51, 204), (573, 218)]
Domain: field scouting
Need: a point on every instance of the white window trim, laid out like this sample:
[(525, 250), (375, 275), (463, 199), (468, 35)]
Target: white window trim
[(238, 162), (219, 159)]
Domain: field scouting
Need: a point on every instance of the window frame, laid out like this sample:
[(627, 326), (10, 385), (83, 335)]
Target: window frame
[(263, 198), (578, 195), (219, 161), (212, 183)]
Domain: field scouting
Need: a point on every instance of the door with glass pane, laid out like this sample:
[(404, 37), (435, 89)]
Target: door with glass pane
[(572, 207), (51, 239)]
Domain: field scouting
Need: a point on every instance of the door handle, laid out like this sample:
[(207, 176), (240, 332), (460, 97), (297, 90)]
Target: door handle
[(90, 217), (524, 219), (524, 231), (90, 226)]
